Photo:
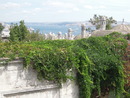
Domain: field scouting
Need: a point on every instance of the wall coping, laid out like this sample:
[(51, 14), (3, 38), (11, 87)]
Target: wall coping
[(5, 61), (30, 90)]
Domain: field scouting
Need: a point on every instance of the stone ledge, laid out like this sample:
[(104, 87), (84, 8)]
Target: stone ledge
[(5, 61), (8, 93)]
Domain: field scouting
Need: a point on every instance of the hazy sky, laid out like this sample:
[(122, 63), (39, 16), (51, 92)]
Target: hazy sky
[(62, 10)]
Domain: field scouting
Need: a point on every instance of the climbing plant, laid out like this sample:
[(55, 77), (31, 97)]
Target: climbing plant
[(97, 61), (105, 53)]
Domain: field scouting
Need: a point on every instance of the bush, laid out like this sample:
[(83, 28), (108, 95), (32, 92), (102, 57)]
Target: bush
[(34, 36), (127, 36), (97, 61)]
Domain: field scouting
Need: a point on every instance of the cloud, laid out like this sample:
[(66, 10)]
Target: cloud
[(62, 7), (33, 11), (10, 5), (76, 9), (55, 4), (27, 4), (81, 1), (37, 9), (102, 6), (59, 4), (64, 11), (26, 12), (95, 7), (88, 7), (128, 10)]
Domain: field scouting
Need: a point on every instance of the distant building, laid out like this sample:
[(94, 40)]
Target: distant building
[(30, 30), (5, 32), (103, 23), (83, 34), (122, 28)]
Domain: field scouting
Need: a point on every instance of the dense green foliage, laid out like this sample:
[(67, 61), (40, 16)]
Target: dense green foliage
[(21, 33), (1, 27), (97, 61), (18, 32), (96, 21), (105, 53), (127, 36), (127, 94), (34, 36)]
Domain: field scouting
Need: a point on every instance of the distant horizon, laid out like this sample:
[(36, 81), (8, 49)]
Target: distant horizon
[(56, 22), (46, 21)]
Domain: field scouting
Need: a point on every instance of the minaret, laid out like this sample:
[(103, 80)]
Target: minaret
[(59, 35), (103, 23), (70, 33), (123, 21), (66, 36), (83, 30)]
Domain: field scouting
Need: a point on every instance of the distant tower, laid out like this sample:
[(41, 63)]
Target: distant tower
[(123, 21), (50, 36), (103, 23), (65, 36), (70, 33), (83, 30), (59, 35), (45, 36), (53, 36)]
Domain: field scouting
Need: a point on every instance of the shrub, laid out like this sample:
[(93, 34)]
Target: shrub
[(34, 36), (97, 61)]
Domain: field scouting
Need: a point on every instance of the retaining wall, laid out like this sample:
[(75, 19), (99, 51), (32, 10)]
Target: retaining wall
[(17, 82)]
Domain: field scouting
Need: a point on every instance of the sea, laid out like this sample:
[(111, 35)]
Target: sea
[(55, 27)]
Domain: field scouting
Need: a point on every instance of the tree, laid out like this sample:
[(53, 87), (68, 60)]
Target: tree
[(18, 32), (34, 36), (1, 28), (109, 22), (89, 29), (97, 19), (23, 30)]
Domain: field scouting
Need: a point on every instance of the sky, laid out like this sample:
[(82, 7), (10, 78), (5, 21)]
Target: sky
[(62, 10)]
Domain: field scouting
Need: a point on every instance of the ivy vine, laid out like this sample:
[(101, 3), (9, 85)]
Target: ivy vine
[(97, 61)]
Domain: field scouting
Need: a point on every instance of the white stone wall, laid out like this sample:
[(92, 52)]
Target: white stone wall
[(17, 82)]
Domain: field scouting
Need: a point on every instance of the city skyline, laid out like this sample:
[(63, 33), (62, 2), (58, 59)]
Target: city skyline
[(62, 10)]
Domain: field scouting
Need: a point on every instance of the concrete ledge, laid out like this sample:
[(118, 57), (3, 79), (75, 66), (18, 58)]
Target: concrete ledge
[(17, 82), (5, 61), (31, 90)]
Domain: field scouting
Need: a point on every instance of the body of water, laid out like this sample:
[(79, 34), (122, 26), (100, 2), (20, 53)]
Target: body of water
[(55, 27)]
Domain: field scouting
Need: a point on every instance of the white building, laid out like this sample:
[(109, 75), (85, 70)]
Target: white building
[(6, 31)]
